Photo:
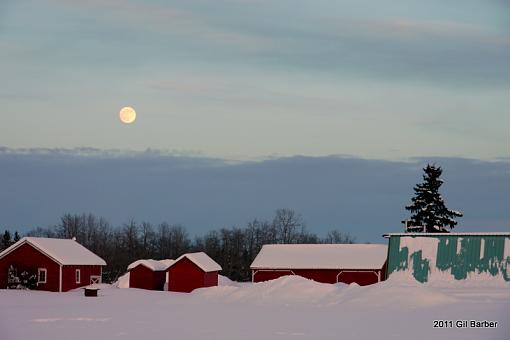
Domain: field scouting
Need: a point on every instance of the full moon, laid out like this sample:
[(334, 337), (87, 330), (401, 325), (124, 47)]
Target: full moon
[(127, 115)]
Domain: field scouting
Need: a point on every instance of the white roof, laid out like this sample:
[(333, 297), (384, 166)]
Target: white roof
[(154, 265), (202, 260), (63, 251), (167, 262), (321, 256), (449, 234)]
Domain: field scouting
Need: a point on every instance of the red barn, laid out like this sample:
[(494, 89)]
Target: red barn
[(60, 264), (191, 271), (363, 264), (148, 274)]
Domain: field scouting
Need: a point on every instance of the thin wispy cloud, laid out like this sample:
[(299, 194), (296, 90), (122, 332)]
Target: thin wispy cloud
[(246, 79)]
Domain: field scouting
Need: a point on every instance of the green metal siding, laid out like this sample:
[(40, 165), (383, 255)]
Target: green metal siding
[(459, 263)]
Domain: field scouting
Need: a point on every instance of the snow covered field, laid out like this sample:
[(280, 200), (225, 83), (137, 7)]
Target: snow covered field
[(287, 308)]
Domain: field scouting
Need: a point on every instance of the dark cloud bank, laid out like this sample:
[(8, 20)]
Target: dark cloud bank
[(363, 197)]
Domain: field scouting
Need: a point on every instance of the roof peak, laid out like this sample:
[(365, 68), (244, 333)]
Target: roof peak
[(202, 260), (61, 250)]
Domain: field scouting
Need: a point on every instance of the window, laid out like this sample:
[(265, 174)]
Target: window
[(78, 278), (41, 275)]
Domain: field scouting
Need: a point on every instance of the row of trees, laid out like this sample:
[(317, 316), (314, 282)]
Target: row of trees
[(233, 248), (8, 239)]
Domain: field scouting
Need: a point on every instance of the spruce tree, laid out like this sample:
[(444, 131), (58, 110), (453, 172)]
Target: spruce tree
[(428, 209), (6, 240), (16, 237)]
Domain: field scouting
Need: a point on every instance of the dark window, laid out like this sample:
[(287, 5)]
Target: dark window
[(41, 273)]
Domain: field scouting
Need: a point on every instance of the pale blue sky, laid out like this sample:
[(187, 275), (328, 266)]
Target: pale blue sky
[(382, 81), (245, 79)]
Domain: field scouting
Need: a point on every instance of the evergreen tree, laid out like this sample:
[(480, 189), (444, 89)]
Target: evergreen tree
[(6, 240), (428, 208), (16, 237)]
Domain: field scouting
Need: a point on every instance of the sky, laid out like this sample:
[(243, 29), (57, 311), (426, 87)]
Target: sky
[(244, 79), (241, 88), (363, 197)]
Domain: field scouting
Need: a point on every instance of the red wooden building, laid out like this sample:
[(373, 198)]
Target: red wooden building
[(192, 271), (363, 264), (148, 274), (60, 264)]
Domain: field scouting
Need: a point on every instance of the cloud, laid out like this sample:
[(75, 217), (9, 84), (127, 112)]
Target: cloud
[(364, 197), (343, 39), (258, 33), (416, 29), (167, 20)]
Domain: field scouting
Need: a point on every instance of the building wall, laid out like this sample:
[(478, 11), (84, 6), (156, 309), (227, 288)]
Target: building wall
[(210, 279), (455, 257), (185, 276), (144, 278), (28, 258), (361, 277), (69, 276)]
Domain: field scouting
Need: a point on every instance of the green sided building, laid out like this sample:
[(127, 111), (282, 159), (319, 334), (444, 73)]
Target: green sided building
[(449, 256)]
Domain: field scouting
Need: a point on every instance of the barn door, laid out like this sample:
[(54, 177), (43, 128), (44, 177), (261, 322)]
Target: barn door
[(95, 279)]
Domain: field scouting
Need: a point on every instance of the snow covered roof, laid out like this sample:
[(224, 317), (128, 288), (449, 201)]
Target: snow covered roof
[(449, 234), (154, 265), (321, 256), (63, 251), (202, 260), (167, 262)]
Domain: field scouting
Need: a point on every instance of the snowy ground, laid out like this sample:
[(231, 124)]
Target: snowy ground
[(287, 308)]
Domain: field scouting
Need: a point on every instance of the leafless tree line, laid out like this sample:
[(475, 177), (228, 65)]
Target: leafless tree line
[(233, 248)]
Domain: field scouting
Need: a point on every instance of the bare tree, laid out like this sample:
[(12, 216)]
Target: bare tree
[(147, 240), (335, 236), (179, 242), (130, 237), (233, 248), (287, 224)]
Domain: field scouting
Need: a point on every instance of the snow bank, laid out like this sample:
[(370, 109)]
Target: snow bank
[(284, 308), (289, 289), (386, 294), (225, 281), (122, 282), (294, 289)]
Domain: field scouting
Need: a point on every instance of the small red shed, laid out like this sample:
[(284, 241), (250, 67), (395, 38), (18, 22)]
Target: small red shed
[(363, 264), (192, 271), (148, 274), (60, 264)]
